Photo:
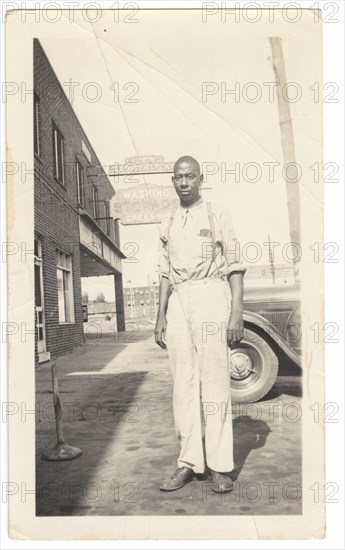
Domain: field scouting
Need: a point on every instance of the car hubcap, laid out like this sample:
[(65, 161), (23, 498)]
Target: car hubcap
[(241, 365)]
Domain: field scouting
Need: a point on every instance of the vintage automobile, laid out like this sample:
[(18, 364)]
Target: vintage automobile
[(272, 336)]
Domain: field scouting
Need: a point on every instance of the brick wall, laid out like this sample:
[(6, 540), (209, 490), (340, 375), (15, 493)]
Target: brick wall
[(56, 205)]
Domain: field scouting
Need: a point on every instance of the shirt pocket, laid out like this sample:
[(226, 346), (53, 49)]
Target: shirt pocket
[(204, 245)]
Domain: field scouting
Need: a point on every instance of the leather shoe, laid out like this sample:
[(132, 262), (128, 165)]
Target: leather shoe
[(220, 482), (179, 478)]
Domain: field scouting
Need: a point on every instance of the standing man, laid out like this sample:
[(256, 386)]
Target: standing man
[(200, 311)]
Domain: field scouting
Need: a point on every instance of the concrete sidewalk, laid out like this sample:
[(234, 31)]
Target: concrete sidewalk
[(116, 393)]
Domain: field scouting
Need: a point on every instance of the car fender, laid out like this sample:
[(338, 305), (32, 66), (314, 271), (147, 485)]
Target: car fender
[(254, 319)]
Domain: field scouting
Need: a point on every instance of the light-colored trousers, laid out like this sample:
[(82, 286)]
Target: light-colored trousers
[(197, 319)]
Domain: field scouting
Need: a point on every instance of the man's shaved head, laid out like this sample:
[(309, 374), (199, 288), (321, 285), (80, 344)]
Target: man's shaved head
[(187, 180), (190, 160)]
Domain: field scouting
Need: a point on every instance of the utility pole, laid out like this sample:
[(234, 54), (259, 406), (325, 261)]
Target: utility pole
[(271, 260), (287, 140)]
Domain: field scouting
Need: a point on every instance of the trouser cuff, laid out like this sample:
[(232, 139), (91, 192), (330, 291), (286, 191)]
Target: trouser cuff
[(200, 469)]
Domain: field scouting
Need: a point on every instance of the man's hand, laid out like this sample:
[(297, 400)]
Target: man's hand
[(235, 328), (160, 330)]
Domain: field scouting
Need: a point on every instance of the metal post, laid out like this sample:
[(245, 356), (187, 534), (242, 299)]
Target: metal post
[(60, 451)]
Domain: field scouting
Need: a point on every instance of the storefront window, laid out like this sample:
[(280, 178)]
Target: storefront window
[(65, 288)]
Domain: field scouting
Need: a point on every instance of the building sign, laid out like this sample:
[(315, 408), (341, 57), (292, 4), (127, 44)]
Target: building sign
[(146, 163), (145, 203)]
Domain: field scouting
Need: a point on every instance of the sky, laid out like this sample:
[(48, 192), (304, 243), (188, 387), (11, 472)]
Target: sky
[(161, 65)]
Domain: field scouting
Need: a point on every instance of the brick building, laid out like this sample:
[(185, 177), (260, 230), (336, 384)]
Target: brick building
[(75, 235), (141, 301)]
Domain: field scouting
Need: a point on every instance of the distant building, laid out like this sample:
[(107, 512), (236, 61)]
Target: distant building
[(281, 271), (101, 308), (141, 301), (75, 234)]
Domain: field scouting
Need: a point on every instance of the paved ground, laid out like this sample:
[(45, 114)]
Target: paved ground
[(116, 394)]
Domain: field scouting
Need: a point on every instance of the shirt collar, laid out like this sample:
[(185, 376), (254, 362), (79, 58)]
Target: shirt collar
[(192, 206)]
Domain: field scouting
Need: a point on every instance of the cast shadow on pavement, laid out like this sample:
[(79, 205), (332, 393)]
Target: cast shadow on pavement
[(91, 422), (248, 434)]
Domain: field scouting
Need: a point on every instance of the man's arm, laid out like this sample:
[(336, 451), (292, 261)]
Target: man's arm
[(235, 325), (235, 272), (164, 295)]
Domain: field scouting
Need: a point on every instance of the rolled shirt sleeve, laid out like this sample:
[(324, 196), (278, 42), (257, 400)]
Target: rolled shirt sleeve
[(163, 259), (231, 246)]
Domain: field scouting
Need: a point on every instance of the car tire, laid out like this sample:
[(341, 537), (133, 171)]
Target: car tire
[(253, 368)]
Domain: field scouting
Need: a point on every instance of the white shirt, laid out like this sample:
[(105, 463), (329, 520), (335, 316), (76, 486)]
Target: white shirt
[(185, 251)]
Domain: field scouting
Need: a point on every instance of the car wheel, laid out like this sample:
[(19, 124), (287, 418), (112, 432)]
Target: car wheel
[(253, 368)]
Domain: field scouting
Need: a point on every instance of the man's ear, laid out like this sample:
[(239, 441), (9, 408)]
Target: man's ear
[(201, 180)]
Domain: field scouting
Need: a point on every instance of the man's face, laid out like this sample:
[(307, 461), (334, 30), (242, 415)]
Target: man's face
[(187, 181)]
